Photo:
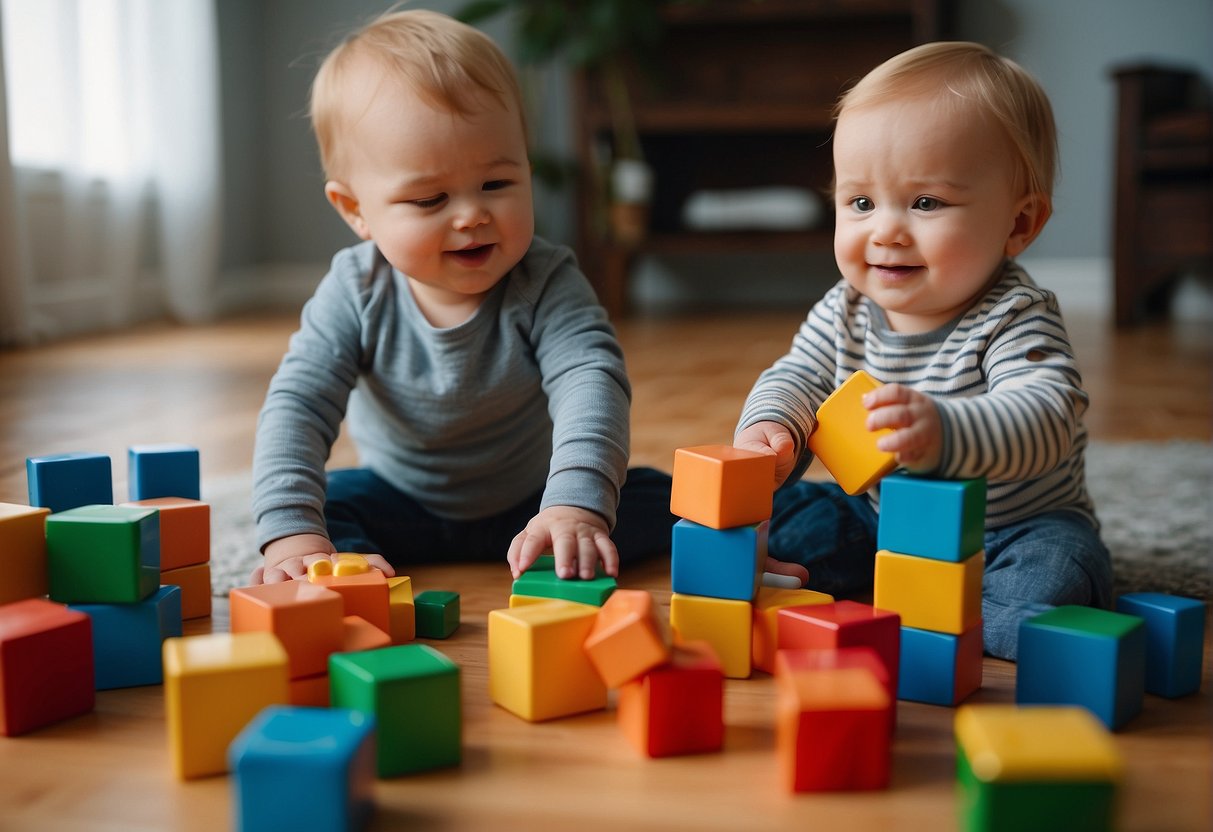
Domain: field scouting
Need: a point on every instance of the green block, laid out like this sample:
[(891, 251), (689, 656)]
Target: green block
[(436, 613), (413, 691), (541, 581), (1038, 805), (103, 554)]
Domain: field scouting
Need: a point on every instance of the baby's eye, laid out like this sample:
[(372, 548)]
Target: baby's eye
[(496, 184), (862, 204), (927, 203), (429, 201)]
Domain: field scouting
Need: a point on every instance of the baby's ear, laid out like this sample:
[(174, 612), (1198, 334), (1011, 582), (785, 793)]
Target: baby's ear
[(347, 205), (1033, 211)]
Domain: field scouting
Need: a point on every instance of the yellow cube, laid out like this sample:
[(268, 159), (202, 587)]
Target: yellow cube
[(213, 685), (930, 594), (538, 668), (725, 624), (22, 552), (402, 613), (767, 604), (842, 440)]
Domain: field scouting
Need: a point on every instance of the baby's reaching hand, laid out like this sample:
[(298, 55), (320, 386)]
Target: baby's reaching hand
[(578, 538), (770, 438), (288, 558), (917, 437)]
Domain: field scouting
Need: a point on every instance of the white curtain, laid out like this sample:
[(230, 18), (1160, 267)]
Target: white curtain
[(109, 189)]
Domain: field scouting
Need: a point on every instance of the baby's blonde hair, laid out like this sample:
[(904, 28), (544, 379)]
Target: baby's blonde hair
[(960, 74), (450, 64)]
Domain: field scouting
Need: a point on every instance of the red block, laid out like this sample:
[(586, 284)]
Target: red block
[(46, 665), (843, 624), (844, 657), (678, 707)]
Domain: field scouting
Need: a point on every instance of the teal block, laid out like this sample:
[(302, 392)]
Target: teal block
[(931, 518), (66, 481), (128, 638), (717, 563), (413, 691), (436, 613), (103, 554), (541, 581), (163, 471), (325, 757), (1175, 640)]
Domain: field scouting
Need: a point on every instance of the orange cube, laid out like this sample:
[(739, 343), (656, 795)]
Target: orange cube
[(306, 618), (185, 530), (678, 707), (721, 486), (358, 634), (195, 583), (627, 638), (22, 552), (365, 594), (310, 691), (842, 440)]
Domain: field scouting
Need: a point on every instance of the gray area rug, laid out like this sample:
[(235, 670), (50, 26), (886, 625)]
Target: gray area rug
[(1153, 499)]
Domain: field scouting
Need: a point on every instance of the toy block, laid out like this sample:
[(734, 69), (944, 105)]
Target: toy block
[(718, 563), (1074, 655), (64, 481), (365, 593), (532, 600), (725, 624), (1175, 640), (843, 624), (413, 691), (538, 667), (930, 594), (804, 660), (842, 440), (103, 554), (676, 707), (437, 613), (163, 471), (720, 486), (185, 530), (939, 668), (931, 518), (541, 581), (128, 638), (306, 618), (767, 605), (342, 565), (402, 612), (195, 584), (46, 665), (628, 637), (22, 552), (213, 685), (1045, 769), (358, 634), (831, 728), (330, 753), (310, 691)]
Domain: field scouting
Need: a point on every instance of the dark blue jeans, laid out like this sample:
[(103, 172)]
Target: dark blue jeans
[(1052, 559), (365, 514)]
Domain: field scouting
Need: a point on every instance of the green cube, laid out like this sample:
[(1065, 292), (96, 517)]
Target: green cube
[(413, 691), (541, 581), (436, 613), (103, 554)]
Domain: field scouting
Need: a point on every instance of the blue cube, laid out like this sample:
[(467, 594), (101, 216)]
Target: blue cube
[(1175, 640), (929, 518), (66, 481), (164, 471), (939, 668), (718, 563), (1075, 655), (127, 638), (303, 768)]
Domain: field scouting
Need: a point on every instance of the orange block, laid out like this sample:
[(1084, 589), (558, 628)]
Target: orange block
[(721, 486), (310, 691), (358, 634), (195, 583), (678, 707), (306, 618), (22, 552), (797, 660), (185, 530), (627, 638), (842, 441), (767, 604), (402, 612), (365, 594)]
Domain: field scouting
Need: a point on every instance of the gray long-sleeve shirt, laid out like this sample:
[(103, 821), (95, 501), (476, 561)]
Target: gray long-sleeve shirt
[(531, 392)]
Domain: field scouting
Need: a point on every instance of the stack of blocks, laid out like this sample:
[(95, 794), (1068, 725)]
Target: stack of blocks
[(929, 571)]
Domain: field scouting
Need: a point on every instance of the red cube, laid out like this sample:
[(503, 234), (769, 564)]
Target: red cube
[(843, 624), (677, 707), (46, 665)]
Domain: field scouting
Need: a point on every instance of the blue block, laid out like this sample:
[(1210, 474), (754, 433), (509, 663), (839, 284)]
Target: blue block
[(1175, 640), (939, 668), (1083, 656), (163, 471), (303, 768), (718, 563), (127, 638), (929, 518), (65, 481)]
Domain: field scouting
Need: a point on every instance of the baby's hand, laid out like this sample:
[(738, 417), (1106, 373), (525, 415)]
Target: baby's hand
[(578, 538), (288, 558), (917, 437), (770, 438)]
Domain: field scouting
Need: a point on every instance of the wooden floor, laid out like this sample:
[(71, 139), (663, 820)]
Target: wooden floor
[(109, 770)]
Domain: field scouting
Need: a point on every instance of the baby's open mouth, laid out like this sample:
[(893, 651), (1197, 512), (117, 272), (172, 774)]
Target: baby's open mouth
[(473, 255)]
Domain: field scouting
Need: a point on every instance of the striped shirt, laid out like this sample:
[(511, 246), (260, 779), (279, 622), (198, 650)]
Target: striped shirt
[(1003, 376)]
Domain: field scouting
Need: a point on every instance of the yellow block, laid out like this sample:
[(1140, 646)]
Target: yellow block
[(842, 441), (1007, 743), (930, 594), (402, 612), (767, 604), (213, 685), (538, 668), (628, 638), (725, 624), (22, 552), (195, 584), (720, 486)]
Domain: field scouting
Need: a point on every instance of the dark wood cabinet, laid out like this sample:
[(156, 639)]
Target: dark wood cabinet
[(740, 96)]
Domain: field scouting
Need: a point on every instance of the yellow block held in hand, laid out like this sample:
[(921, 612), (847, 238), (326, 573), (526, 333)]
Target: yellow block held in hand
[(842, 440)]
